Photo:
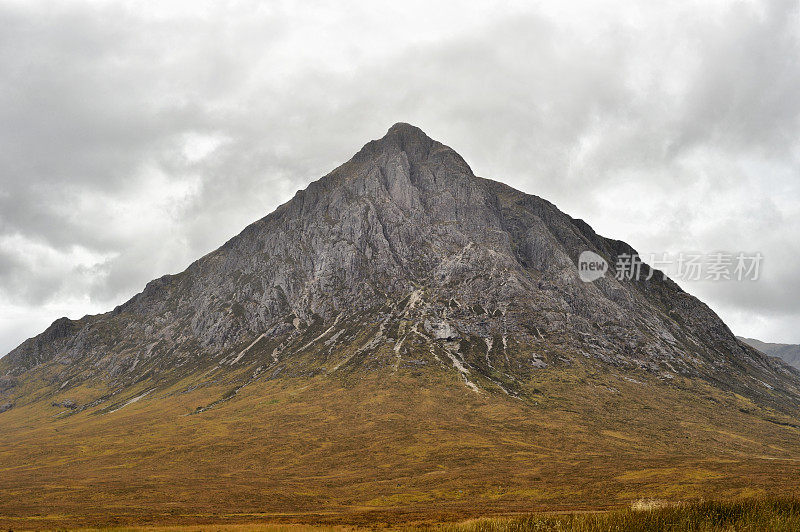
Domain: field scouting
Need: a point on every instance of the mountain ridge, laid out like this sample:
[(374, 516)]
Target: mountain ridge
[(789, 353)]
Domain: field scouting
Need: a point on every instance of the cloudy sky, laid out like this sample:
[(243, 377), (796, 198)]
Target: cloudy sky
[(137, 136)]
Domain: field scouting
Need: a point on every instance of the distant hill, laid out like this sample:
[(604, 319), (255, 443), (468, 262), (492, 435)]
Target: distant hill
[(790, 353)]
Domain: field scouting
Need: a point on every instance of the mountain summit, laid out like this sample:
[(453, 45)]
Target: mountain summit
[(401, 254)]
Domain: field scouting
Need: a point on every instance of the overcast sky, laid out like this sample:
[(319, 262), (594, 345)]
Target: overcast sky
[(137, 136)]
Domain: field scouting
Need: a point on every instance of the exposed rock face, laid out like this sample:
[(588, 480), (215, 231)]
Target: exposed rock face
[(406, 242), (65, 404), (7, 383)]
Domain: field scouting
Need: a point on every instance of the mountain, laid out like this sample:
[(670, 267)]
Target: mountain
[(400, 338), (402, 236), (789, 353)]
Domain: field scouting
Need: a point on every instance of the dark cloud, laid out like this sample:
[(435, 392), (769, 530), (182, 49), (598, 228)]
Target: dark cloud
[(136, 137)]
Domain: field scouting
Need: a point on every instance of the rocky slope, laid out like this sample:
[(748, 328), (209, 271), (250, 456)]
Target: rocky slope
[(401, 256)]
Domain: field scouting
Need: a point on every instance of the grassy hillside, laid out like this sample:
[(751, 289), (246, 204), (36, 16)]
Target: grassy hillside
[(388, 446)]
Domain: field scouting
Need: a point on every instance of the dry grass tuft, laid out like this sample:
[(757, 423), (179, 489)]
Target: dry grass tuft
[(648, 505)]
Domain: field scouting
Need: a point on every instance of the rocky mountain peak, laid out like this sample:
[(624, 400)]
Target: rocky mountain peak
[(409, 139), (408, 131), (403, 247), (400, 336), (410, 147)]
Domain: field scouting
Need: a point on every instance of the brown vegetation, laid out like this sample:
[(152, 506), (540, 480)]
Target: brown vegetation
[(416, 446)]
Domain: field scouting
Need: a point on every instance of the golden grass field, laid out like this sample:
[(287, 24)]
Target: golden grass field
[(644, 516), (389, 449)]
